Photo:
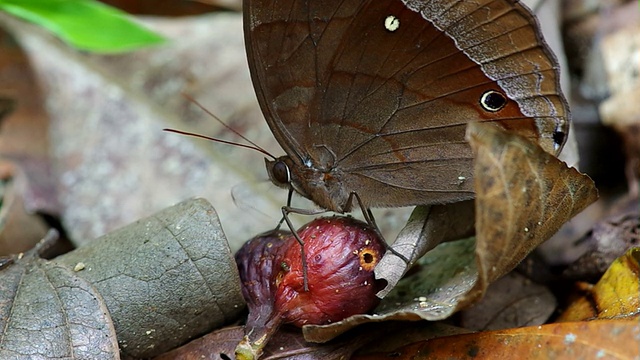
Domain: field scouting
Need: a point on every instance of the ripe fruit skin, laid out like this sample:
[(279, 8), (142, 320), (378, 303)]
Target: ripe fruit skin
[(258, 261), (341, 255)]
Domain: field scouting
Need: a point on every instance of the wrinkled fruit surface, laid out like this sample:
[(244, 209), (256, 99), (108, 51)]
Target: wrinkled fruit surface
[(341, 254), (259, 261)]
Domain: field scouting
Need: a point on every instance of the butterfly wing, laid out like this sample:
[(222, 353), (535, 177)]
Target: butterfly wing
[(382, 90)]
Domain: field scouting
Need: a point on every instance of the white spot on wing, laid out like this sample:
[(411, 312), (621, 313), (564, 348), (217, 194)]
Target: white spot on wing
[(391, 23)]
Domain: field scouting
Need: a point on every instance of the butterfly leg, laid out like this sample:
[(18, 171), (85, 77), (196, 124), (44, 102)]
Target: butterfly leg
[(370, 219), (286, 210)]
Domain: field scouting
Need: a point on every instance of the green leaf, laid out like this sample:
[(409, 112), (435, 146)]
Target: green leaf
[(85, 24)]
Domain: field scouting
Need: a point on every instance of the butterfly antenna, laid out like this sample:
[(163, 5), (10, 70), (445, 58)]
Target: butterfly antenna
[(254, 147)]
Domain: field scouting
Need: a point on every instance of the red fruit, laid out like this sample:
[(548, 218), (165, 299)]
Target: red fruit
[(341, 254), (259, 261)]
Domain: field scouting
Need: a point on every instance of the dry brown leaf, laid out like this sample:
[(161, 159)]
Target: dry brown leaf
[(20, 230), (113, 162), (287, 343), (609, 239), (523, 197), (511, 301), (24, 132), (601, 339)]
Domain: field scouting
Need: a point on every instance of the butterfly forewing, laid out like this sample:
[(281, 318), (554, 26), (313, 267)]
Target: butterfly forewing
[(375, 95)]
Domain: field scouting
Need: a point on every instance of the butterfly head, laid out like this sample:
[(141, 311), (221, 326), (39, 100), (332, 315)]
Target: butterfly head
[(320, 186), (279, 171)]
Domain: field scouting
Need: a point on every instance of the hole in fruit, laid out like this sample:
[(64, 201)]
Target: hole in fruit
[(368, 258)]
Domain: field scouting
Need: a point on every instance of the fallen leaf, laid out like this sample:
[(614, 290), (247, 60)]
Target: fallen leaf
[(511, 301), (212, 346), (23, 133), (523, 196), (19, 229), (165, 279), (107, 115), (427, 227), (601, 339), (287, 343), (616, 295), (609, 239), (397, 334), (48, 311)]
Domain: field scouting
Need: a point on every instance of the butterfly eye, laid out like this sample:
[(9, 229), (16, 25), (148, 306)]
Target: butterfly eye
[(493, 101), (280, 172)]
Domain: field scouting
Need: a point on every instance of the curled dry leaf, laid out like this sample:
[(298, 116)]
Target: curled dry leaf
[(427, 227), (165, 279), (47, 311), (602, 339), (616, 295), (523, 196)]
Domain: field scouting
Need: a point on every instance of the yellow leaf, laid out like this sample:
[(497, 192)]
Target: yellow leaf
[(616, 295)]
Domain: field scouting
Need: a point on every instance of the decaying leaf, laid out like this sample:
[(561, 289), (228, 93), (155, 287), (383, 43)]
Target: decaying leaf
[(113, 162), (609, 239), (427, 227), (511, 301), (47, 311), (397, 334), (601, 339), (165, 279), (155, 284), (616, 295), (523, 196), (19, 229), (287, 343)]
